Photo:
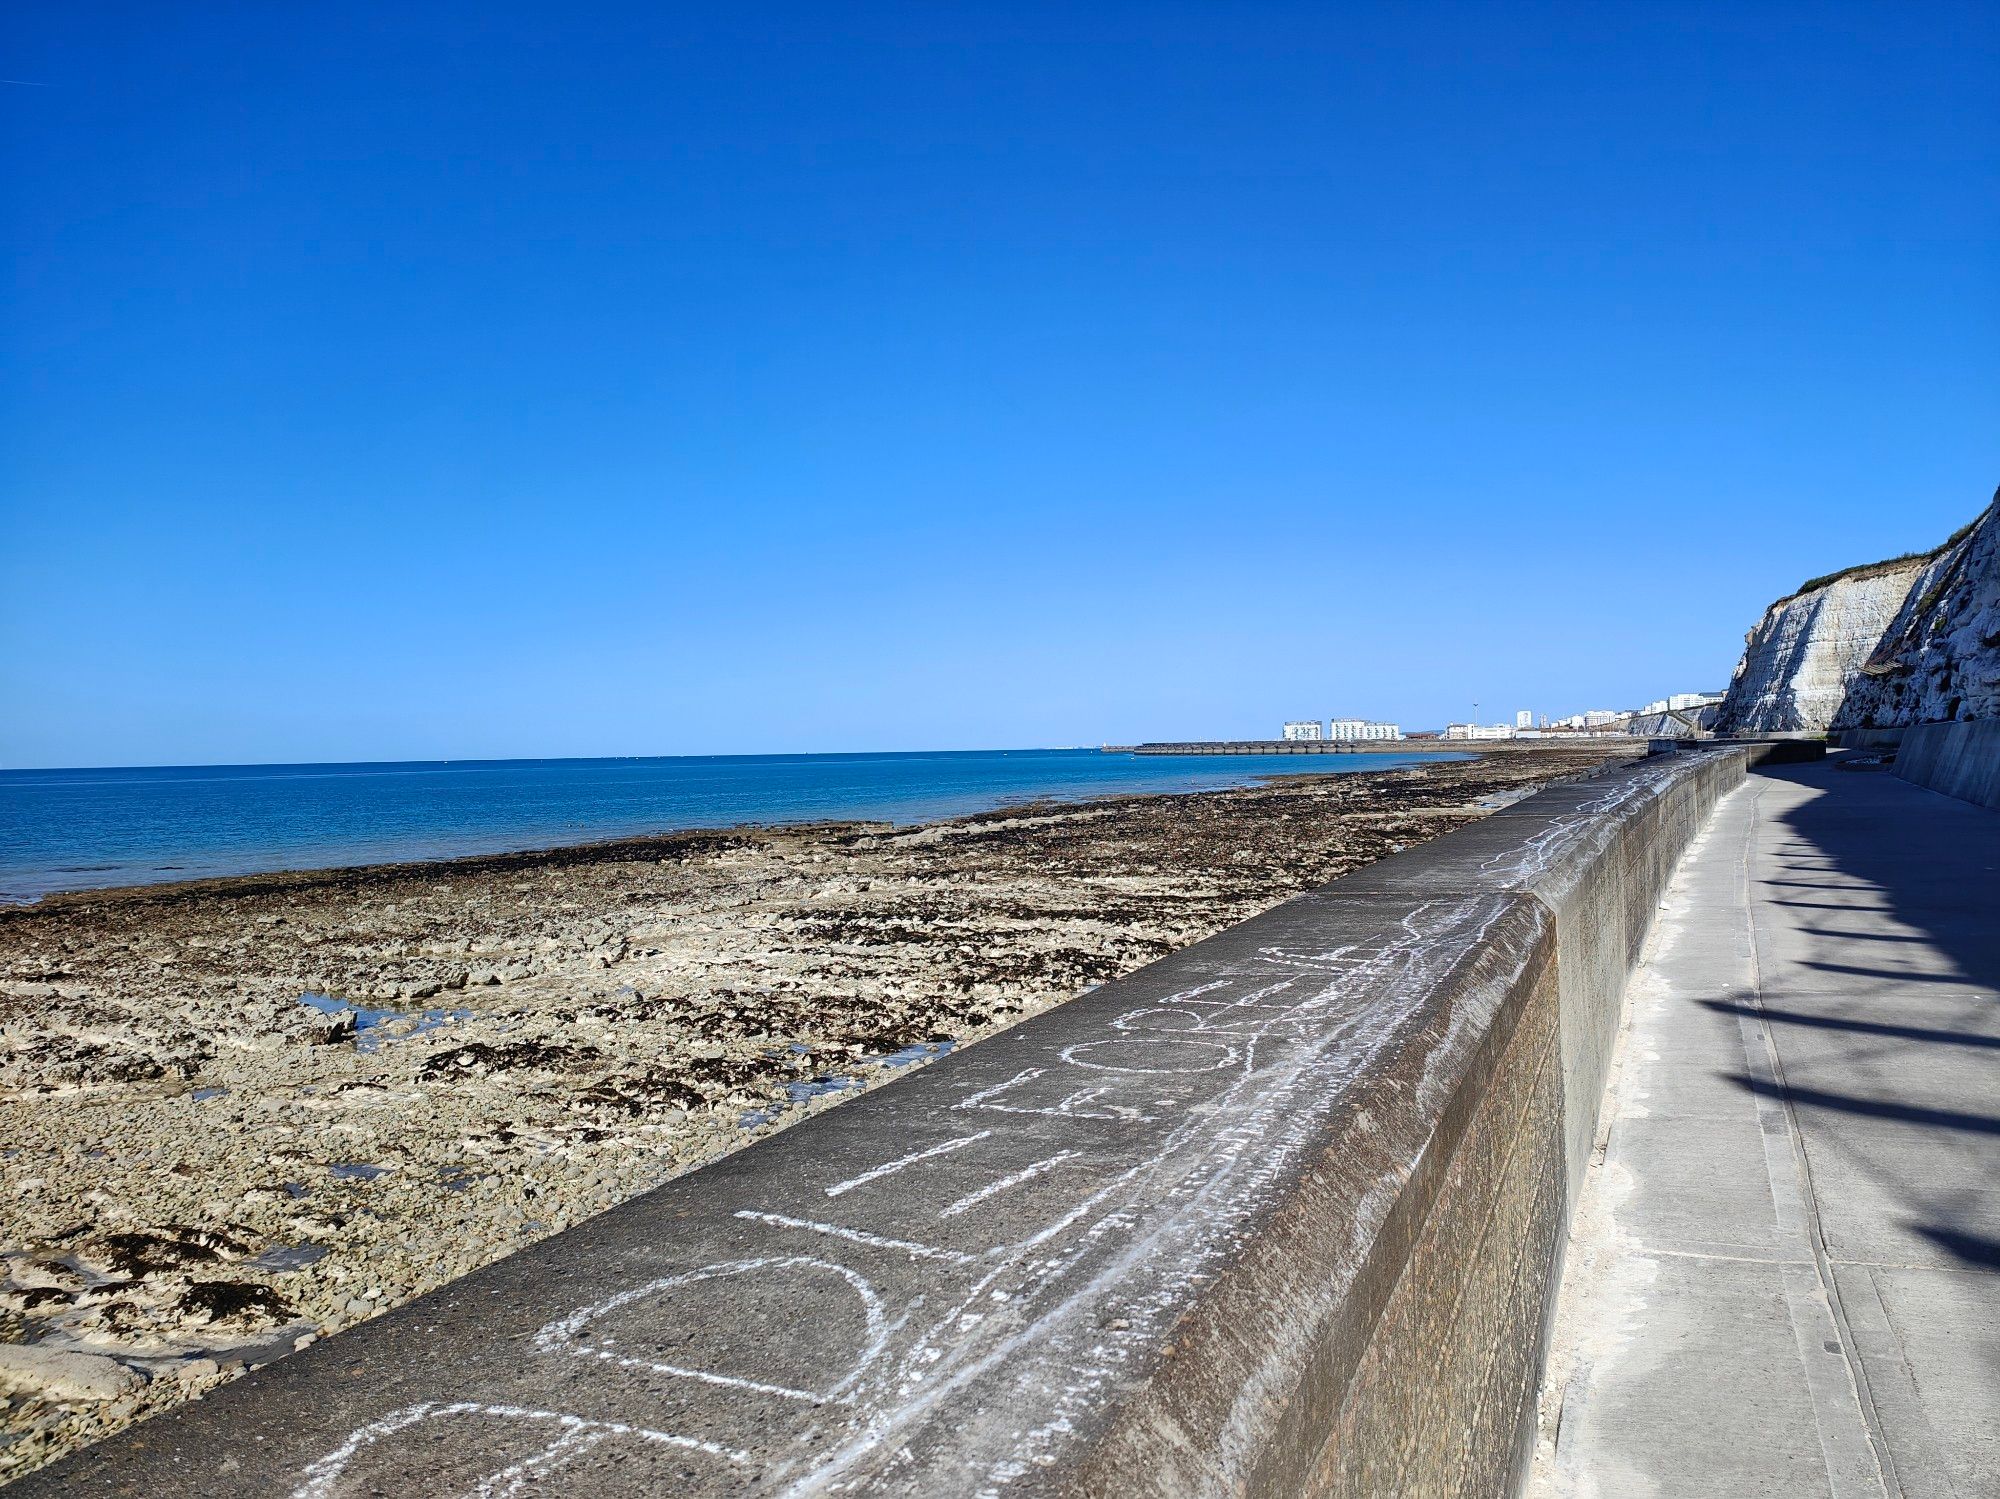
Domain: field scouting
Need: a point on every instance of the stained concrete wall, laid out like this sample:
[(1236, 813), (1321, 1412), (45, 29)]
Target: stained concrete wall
[(1865, 739), (1279, 1214), (1959, 759)]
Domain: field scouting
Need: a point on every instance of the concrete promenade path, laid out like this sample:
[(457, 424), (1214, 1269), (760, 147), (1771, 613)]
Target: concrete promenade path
[(1785, 1274)]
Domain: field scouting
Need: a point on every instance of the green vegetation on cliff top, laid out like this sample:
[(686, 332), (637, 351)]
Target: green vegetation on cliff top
[(1887, 564)]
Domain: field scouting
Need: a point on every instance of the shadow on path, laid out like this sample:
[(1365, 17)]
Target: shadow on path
[(1979, 1039), (1888, 1072)]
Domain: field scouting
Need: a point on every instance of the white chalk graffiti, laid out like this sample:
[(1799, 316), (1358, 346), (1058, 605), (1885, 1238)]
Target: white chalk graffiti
[(902, 1163), (1173, 1125), (565, 1334), (573, 1437), (1008, 1182), (856, 1236), (1076, 1105), (1201, 1056)]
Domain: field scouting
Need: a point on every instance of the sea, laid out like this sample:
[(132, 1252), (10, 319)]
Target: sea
[(90, 829)]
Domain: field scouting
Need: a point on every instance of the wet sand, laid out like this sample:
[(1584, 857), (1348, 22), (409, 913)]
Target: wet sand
[(201, 1170)]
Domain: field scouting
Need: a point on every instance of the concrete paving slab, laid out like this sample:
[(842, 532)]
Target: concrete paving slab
[(1916, 1205), (1743, 1428), (1937, 1336), (1691, 1088), (1696, 1181), (1718, 966), (1854, 1065)]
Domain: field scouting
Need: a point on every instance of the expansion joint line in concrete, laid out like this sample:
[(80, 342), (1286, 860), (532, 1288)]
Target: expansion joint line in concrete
[(1797, 1205)]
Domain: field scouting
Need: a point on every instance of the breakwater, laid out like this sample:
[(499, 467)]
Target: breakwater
[(1278, 1213)]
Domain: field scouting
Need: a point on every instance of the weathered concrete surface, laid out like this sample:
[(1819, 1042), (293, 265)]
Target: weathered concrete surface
[(1785, 1279), (1597, 853), (1278, 1214), (1866, 739), (1959, 759)]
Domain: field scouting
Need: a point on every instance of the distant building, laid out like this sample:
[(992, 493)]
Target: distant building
[(1349, 730), (1680, 702), (1304, 728), (1525, 719), (1479, 731)]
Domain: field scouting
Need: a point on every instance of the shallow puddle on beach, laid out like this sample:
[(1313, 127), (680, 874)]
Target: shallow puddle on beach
[(819, 1087), (374, 1026), (282, 1257)]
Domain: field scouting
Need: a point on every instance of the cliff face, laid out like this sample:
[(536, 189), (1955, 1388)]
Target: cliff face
[(1939, 658), (1915, 640), (1799, 660), (1674, 725)]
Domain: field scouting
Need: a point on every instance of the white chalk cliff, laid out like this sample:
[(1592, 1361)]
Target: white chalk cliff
[(1939, 658), (1912, 640)]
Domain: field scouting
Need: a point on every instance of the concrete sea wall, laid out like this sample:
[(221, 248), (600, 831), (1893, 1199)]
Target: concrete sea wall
[(1959, 759), (1281, 1213)]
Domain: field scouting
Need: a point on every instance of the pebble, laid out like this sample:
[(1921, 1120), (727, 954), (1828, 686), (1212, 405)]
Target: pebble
[(59, 1375)]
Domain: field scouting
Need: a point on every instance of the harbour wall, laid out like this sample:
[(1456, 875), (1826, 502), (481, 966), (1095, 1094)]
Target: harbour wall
[(1281, 1213)]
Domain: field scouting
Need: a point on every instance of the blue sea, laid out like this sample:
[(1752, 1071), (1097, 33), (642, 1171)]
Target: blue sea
[(87, 829)]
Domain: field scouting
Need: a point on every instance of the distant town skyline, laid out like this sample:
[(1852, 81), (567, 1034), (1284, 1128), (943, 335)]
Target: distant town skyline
[(462, 382)]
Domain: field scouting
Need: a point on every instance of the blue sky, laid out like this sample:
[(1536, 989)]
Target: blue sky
[(483, 380)]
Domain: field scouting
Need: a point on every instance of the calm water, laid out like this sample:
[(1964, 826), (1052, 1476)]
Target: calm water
[(81, 829)]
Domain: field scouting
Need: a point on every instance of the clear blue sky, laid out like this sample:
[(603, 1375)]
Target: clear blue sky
[(457, 380)]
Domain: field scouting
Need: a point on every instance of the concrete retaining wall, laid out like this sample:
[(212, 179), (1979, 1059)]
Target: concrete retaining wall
[(1865, 739), (1279, 1214), (1959, 759)]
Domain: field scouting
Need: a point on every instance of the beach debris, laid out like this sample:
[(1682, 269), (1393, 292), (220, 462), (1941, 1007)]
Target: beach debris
[(478, 1058)]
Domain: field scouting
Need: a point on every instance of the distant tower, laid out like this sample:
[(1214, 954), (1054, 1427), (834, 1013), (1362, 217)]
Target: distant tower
[(1525, 719)]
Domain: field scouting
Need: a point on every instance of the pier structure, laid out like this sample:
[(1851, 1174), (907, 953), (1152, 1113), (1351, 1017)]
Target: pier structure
[(1360, 746)]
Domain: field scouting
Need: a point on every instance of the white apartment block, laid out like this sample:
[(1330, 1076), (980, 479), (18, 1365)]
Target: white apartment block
[(1479, 731), (1304, 728), (1350, 729), (1525, 719)]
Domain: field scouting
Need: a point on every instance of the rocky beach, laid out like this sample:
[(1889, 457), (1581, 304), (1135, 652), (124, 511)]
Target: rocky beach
[(242, 1114)]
